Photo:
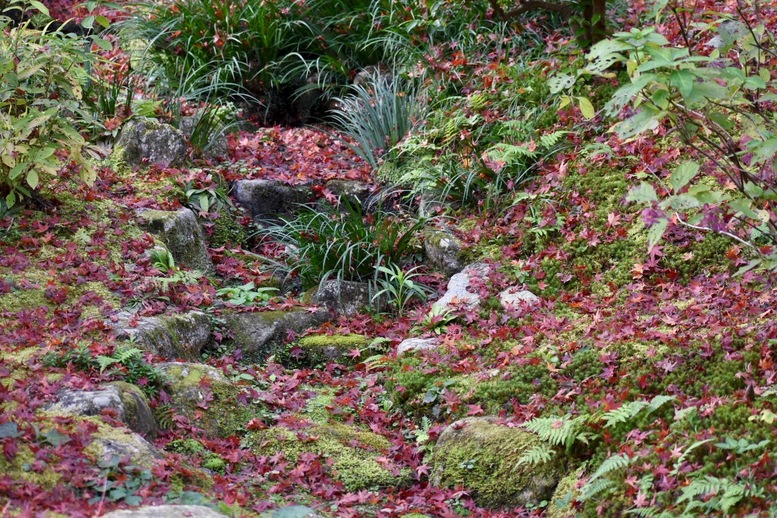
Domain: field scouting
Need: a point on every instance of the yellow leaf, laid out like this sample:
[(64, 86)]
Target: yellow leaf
[(586, 107)]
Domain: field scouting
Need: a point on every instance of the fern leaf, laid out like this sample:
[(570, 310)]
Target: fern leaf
[(626, 412), (611, 464), (591, 489), (540, 454), (551, 139), (105, 361), (659, 401), (558, 431)]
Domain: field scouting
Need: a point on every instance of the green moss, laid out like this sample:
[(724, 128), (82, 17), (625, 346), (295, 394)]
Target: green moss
[(227, 231), (520, 384), (187, 447), (215, 463), (20, 468), (353, 452), (560, 504), (482, 457)]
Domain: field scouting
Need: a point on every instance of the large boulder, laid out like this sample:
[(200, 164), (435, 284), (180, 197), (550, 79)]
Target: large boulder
[(138, 415), (262, 334), (459, 294), (205, 396), (353, 191), (215, 146), (181, 234), (266, 199), (146, 142), (172, 337), (166, 511), (109, 443), (443, 250), (482, 456)]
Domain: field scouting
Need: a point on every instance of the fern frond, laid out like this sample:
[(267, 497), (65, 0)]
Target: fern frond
[(659, 401), (549, 140), (611, 464), (624, 413), (540, 454), (558, 431), (592, 489)]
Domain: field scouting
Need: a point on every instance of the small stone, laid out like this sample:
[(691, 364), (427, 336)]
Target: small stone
[(271, 198), (416, 344), (181, 234), (146, 142), (458, 294), (443, 250), (291, 511), (345, 297), (166, 511), (515, 298), (318, 349), (356, 192)]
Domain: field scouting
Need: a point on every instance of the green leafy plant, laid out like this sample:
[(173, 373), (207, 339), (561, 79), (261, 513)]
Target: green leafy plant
[(247, 293), (399, 288), (128, 363), (42, 110), (717, 106), (349, 245), (214, 197), (119, 483)]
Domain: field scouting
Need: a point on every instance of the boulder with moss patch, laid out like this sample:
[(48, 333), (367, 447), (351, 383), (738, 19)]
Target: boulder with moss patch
[(262, 334), (356, 457), (347, 298), (108, 443), (146, 142), (182, 336), (206, 397), (320, 349), (560, 504), (459, 294), (181, 234), (482, 456)]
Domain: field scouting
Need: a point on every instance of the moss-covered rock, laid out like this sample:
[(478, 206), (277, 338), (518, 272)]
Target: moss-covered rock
[(482, 456), (261, 335), (354, 453), (320, 349), (182, 336), (146, 142), (206, 397), (109, 442), (137, 412), (560, 504), (181, 234)]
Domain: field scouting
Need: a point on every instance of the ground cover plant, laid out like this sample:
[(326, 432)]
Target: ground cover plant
[(623, 172)]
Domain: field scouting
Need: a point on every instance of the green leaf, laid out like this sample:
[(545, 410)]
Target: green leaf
[(561, 82), (683, 174), (646, 120), (55, 438), (644, 193), (103, 43), (656, 232), (682, 80), (32, 178), (9, 431), (586, 107), (35, 4), (88, 22)]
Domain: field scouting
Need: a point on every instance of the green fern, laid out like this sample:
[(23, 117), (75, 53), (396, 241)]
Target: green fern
[(549, 140), (592, 489), (613, 463), (558, 431), (540, 454)]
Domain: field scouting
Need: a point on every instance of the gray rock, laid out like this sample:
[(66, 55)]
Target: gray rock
[(345, 297), (137, 412), (443, 250), (458, 294), (204, 395), (108, 443), (181, 234), (416, 344), (166, 511), (514, 298), (171, 336), (356, 192), (291, 511), (146, 142), (482, 456), (270, 198), (88, 402), (127, 401), (262, 334)]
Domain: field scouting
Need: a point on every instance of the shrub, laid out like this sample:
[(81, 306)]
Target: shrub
[(42, 76), (350, 245)]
